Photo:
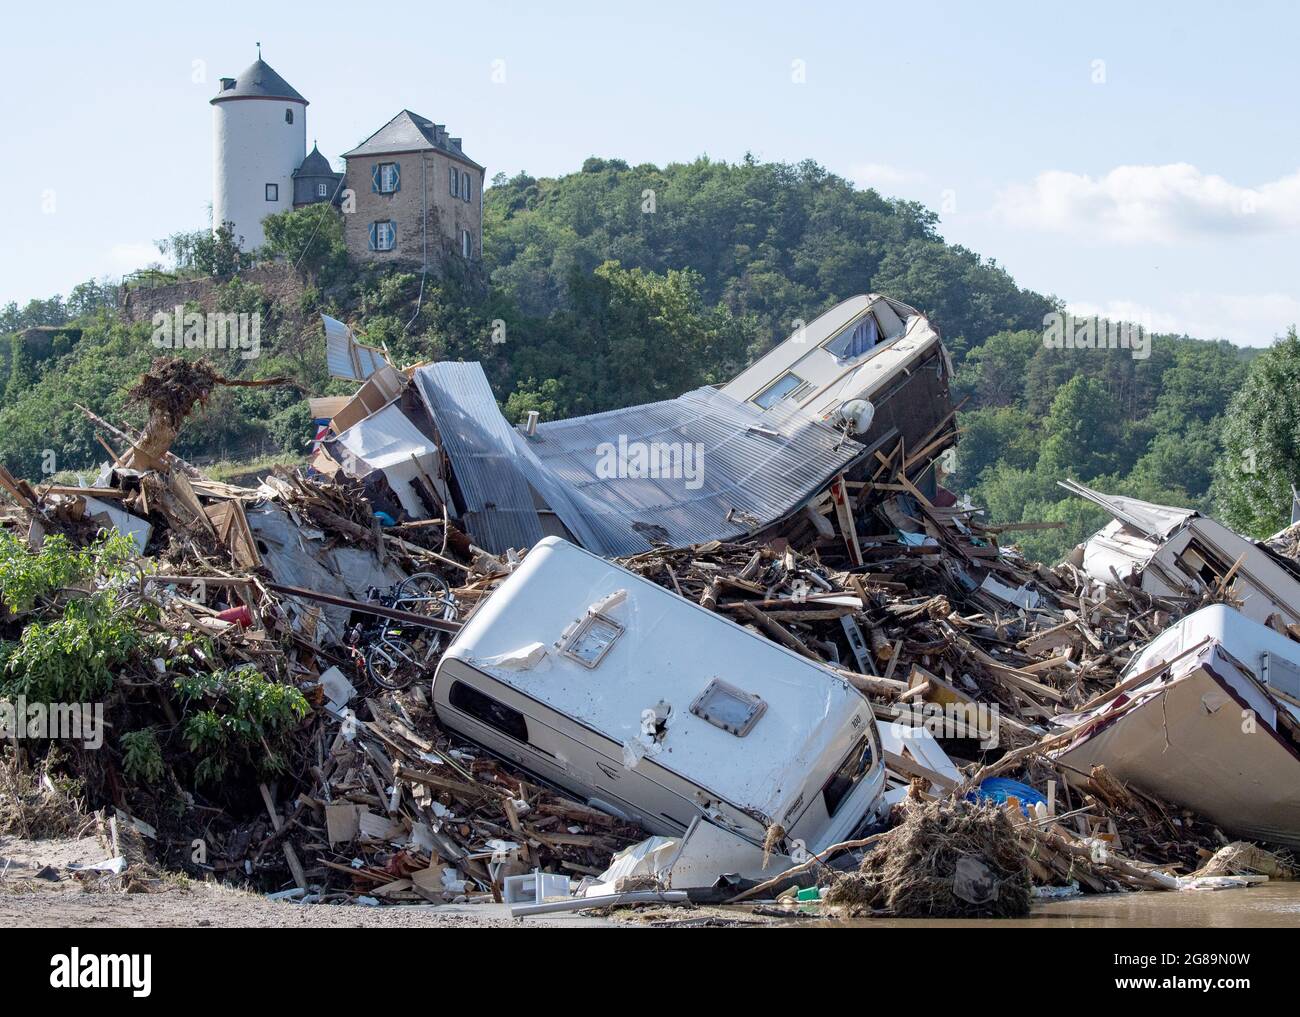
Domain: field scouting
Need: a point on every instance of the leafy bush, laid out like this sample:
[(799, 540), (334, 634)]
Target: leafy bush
[(205, 252), (27, 577), (142, 757), (245, 715), (74, 658)]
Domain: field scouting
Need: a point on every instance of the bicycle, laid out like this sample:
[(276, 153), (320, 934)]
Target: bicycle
[(394, 654)]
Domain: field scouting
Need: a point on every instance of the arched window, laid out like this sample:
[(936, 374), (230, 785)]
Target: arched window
[(288, 116)]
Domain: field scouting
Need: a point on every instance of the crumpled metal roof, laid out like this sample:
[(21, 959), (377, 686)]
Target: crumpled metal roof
[(500, 510), (756, 466), (1155, 522)]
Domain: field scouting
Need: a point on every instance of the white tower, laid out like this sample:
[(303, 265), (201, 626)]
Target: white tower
[(259, 133)]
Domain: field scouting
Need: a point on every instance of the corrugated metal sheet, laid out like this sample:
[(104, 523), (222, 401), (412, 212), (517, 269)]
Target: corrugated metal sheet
[(758, 465), (347, 358), (501, 512)]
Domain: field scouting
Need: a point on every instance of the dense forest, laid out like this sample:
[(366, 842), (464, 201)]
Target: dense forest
[(617, 285)]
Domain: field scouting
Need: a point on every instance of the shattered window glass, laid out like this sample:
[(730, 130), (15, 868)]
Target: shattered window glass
[(728, 707), (856, 340)]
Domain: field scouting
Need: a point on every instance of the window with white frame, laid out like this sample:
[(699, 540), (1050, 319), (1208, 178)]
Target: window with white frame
[(383, 235), (466, 245), (453, 182), (272, 192), (322, 190), (388, 177), (465, 185)]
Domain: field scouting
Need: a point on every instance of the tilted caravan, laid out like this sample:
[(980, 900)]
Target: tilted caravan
[(866, 348), (1217, 730), (649, 706)]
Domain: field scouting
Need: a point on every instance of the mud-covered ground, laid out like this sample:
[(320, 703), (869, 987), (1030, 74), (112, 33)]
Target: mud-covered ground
[(30, 899)]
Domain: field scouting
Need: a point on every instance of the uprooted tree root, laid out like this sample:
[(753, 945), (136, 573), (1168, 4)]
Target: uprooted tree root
[(945, 860), (169, 390)]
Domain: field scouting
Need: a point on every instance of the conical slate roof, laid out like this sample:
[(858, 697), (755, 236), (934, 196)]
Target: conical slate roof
[(259, 81), (315, 165)]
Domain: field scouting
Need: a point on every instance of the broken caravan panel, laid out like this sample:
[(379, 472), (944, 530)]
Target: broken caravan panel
[(389, 442), (869, 347), (574, 668), (1171, 552), (1218, 731)]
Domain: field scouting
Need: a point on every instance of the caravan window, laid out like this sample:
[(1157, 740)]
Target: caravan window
[(785, 386), (846, 778), (1202, 563), (855, 340), (494, 714), (1280, 674)]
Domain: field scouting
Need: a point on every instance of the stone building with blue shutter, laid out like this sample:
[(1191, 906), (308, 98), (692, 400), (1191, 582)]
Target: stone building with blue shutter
[(413, 195)]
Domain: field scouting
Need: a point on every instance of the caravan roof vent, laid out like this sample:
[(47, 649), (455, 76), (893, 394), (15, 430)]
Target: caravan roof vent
[(725, 706), (589, 639)]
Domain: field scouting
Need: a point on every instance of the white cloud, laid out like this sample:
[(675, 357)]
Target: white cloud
[(1247, 319), (124, 258), (880, 175), (1149, 204)]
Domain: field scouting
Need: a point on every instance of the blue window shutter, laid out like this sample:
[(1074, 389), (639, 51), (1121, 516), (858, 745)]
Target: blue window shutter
[(397, 178), (374, 236), (374, 178)]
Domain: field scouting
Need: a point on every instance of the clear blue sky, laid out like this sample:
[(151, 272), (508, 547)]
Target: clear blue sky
[(1135, 158)]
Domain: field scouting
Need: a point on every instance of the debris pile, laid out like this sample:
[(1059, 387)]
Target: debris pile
[(265, 655), (946, 858)]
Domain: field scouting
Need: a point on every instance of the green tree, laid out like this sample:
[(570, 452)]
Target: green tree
[(1261, 443), (206, 252), (311, 236), (1082, 431)]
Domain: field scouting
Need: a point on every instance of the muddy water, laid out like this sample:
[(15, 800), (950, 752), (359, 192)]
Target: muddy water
[(1269, 905)]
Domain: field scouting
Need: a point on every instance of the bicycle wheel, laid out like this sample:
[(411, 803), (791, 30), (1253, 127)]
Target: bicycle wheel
[(426, 593), (395, 662)]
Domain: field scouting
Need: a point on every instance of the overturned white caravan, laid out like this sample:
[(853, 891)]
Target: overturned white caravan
[(1207, 716), (655, 709)]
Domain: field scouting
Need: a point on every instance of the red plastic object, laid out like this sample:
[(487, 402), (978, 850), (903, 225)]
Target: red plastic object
[(241, 616)]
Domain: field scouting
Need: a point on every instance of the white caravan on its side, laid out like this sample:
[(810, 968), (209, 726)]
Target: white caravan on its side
[(653, 708)]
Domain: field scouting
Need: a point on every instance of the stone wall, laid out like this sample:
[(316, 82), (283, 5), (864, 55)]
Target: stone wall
[(283, 286)]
